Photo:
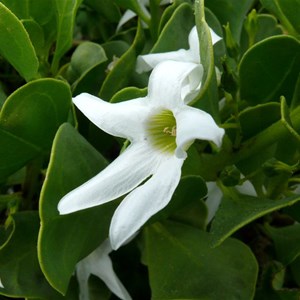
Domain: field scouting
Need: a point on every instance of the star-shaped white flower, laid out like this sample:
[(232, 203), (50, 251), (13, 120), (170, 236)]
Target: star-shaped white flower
[(160, 128), (149, 61), (98, 263)]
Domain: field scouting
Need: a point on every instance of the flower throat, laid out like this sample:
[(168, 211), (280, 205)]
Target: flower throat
[(161, 128)]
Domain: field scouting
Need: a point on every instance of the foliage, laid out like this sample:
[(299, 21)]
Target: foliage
[(52, 50)]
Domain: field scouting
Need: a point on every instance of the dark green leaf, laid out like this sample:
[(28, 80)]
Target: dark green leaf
[(20, 272), (272, 66), (182, 265), (238, 210), (64, 240), (29, 120)]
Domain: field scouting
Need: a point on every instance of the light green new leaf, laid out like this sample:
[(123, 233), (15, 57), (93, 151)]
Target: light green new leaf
[(182, 265), (238, 210), (20, 272), (287, 11), (29, 120), (272, 66), (65, 13), (64, 240), (15, 45)]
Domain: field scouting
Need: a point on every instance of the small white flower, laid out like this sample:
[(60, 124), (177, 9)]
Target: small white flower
[(149, 61), (98, 263), (214, 196), (129, 14), (160, 127)]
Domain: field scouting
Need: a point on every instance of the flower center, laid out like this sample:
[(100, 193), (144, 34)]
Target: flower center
[(161, 130)]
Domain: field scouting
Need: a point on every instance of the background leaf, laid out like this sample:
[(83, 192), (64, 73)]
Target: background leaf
[(225, 272), (15, 45), (272, 66), (64, 240), (239, 210), (29, 120)]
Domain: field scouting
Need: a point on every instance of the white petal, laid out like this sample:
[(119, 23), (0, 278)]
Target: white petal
[(194, 43), (99, 264), (1, 284), (148, 61), (214, 37), (122, 119), (167, 80), (144, 202), (126, 172), (246, 188), (193, 123), (214, 197), (128, 15)]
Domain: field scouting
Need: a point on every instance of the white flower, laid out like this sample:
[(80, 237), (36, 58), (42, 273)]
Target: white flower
[(129, 14), (1, 285), (149, 61), (160, 128), (99, 264), (214, 196)]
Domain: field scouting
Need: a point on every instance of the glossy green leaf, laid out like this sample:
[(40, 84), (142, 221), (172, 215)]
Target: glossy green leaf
[(272, 66), (283, 236), (128, 94), (180, 23), (20, 272), (86, 57), (15, 45), (66, 12), (119, 75), (238, 210), (64, 240), (287, 11), (36, 35), (232, 12), (29, 120), (182, 265)]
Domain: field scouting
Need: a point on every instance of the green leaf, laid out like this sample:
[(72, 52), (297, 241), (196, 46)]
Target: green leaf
[(106, 8), (128, 94), (119, 75), (180, 23), (15, 45), (232, 12), (85, 58), (183, 266), (29, 120), (237, 210), (20, 272), (36, 35), (64, 240), (66, 12), (272, 66), (289, 235), (287, 11)]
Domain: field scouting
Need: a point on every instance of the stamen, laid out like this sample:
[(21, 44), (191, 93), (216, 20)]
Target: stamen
[(161, 128)]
